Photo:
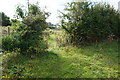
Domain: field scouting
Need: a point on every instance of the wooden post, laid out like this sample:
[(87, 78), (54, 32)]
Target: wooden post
[(8, 30)]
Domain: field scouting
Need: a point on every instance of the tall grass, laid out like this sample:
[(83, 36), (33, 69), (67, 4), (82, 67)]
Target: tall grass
[(98, 60)]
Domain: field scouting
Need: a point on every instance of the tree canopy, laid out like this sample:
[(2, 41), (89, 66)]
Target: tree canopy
[(4, 19), (87, 21)]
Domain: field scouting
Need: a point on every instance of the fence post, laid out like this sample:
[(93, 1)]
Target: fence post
[(8, 30)]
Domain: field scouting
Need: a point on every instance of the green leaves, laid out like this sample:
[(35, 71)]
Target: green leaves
[(20, 12), (31, 30), (4, 19), (33, 9), (9, 43), (91, 22)]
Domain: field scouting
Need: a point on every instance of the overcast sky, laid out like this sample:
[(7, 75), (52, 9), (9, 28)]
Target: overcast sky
[(8, 6)]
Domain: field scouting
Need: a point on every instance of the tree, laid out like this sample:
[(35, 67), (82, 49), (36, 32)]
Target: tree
[(33, 25), (20, 12), (15, 22), (4, 19), (89, 22), (28, 36)]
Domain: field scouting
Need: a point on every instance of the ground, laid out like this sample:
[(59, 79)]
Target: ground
[(98, 60)]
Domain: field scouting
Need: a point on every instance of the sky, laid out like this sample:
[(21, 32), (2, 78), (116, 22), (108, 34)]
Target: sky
[(9, 6)]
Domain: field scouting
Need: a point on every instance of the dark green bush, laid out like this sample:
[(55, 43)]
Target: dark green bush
[(31, 30), (89, 22), (29, 33), (9, 43)]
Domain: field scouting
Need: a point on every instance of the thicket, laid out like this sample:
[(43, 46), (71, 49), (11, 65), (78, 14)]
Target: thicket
[(28, 35), (4, 19), (90, 22)]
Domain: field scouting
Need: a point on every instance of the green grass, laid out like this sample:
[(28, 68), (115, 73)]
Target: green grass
[(94, 61)]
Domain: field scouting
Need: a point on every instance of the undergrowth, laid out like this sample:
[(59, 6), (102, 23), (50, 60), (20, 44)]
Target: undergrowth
[(98, 60)]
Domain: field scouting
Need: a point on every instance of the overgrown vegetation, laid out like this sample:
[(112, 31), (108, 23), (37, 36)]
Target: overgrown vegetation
[(89, 22), (95, 61), (4, 19), (28, 35), (32, 51)]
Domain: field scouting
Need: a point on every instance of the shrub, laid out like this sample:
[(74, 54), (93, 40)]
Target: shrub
[(9, 43), (31, 30), (88, 22)]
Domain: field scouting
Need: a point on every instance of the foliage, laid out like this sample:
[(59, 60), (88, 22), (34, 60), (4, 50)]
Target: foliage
[(28, 34), (89, 22), (15, 69), (4, 19), (31, 29), (10, 42), (15, 22), (99, 60), (20, 13), (34, 10)]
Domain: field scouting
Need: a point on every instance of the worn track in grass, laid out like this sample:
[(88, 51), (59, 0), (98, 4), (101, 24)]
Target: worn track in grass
[(94, 61)]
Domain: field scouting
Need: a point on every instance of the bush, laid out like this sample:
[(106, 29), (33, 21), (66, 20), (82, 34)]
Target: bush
[(29, 33), (88, 22), (31, 30), (9, 43)]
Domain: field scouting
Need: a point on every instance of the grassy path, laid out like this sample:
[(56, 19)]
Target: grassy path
[(95, 61), (69, 62)]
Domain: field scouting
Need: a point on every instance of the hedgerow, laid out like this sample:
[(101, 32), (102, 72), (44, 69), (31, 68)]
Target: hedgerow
[(89, 22)]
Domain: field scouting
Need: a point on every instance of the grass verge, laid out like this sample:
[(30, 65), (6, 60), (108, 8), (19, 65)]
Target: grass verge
[(95, 61)]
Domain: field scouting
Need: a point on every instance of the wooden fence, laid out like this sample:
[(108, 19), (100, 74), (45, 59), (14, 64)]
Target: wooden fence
[(5, 31)]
